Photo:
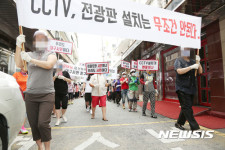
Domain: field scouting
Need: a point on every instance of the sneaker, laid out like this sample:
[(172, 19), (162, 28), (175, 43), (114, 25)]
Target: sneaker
[(54, 116), (23, 131), (57, 122), (130, 110), (64, 118), (87, 109), (72, 102), (91, 112), (123, 107), (118, 105), (135, 110), (143, 114)]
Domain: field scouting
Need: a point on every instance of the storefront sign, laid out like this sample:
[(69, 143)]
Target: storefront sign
[(73, 70), (125, 64), (148, 65), (97, 68), (111, 18), (60, 46), (133, 64)]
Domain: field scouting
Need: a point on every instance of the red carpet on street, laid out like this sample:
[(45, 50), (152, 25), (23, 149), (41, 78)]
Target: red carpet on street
[(172, 110)]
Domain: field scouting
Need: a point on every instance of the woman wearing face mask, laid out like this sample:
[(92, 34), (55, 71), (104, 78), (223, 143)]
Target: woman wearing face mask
[(149, 89), (133, 91), (61, 81), (186, 87), (118, 90), (124, 88), (99, 86), (40, 93), (21, 79)]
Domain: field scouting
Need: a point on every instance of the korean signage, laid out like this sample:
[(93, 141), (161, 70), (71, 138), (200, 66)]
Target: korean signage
[(125, 64), (97, 67), (148, 65), (133, 64), (112, 73), (74, 70), (60, 46), (111, 18)]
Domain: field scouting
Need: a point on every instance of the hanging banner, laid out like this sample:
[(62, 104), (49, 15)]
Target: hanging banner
[(73, 70), (112, 73), (97, 67), (60, 46), (111, 18), (148, 65), (133, 64), (125, 64)]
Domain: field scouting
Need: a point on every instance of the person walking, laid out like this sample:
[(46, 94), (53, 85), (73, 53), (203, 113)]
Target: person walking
[(133, 91), (149, 90), (124, 88), (70, 92), (99, 86), (186, 87), (61, 81), (21, 78), (118, 90), (87, 89), (40, 92)]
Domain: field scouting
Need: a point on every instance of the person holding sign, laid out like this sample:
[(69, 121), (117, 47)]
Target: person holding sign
[(149, 90), (124, 88), (40, 92), (186, 87), (99, 87), (133, 90), (61, 81)]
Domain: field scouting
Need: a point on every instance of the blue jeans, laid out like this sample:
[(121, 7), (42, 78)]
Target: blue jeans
[(124, 95)]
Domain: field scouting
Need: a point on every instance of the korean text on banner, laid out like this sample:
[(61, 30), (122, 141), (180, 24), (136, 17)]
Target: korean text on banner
[(73, 70), (97, 67), (60, 46), (125, 64), (148, 65), (133, 64), (111, 18), (112, 73)]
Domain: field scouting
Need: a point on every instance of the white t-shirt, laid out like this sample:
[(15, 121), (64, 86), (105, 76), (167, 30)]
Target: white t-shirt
[(100, 80), (88, 88)]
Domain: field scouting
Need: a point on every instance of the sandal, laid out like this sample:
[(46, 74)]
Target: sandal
[(105, 119)]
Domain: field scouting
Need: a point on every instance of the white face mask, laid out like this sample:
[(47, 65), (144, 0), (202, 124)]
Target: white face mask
[(40, 46), (185, 53), (133, 74), (118, 77), (124, 76)]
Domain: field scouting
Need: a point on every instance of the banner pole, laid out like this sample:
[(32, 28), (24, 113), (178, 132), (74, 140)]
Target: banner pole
[(197, 63), (23, 48)]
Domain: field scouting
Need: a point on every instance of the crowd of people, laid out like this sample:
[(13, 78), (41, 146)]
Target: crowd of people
[(48, 92)]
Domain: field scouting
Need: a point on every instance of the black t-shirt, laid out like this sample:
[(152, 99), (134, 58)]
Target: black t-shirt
[(61, 86), (185, 82)]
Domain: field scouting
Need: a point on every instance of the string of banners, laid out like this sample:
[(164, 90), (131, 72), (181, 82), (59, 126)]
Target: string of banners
[(111, 18), (74, 70)]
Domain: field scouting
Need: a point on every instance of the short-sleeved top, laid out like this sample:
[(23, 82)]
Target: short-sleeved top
[(124, 86), (70, 87), (88, 88), (21, 80), (40, 80), (98, 79), (185, 82), (61, 86)]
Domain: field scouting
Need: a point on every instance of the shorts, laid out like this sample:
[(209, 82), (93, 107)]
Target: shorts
[(70, 95), (88, 97), (61, 100), (99, 100)]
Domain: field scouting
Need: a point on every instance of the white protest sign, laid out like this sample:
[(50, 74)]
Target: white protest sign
[(133, 64), (60, 46), (74, 70), (112, 73), (148, 65), (97, 67), (111, 18), (125, 64)]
